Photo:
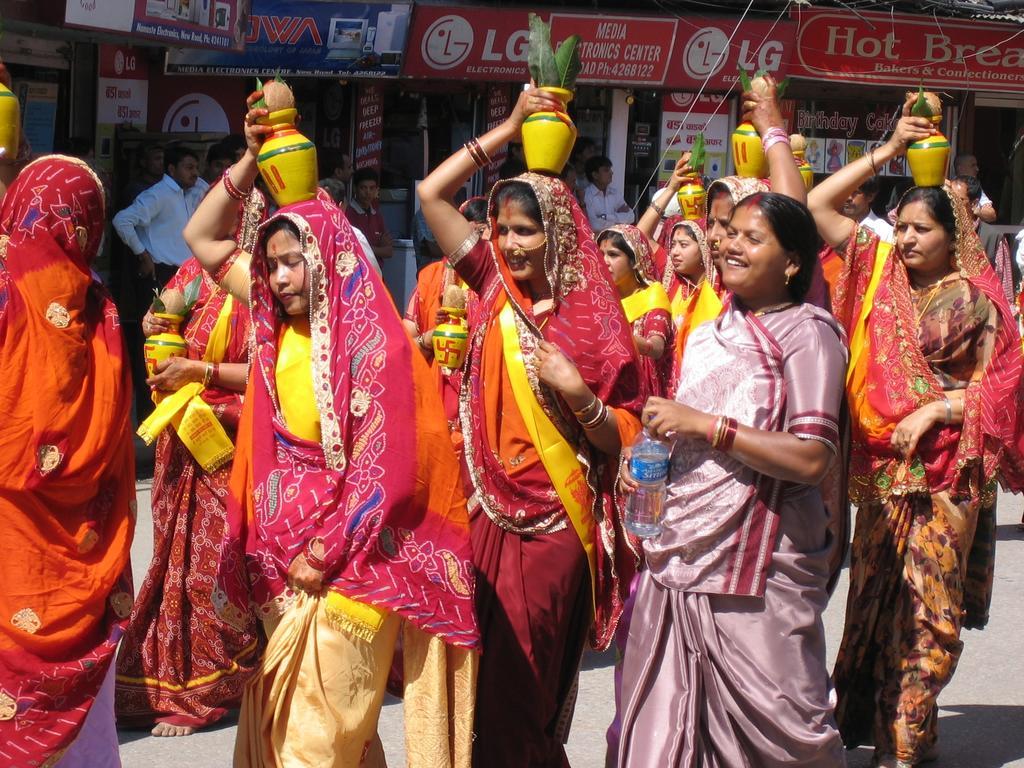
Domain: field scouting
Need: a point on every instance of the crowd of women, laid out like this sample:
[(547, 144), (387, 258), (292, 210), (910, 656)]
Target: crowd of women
[(454, 534)]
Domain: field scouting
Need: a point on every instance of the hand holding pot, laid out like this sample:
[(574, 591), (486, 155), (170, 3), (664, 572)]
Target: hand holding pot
[(174, 373), (153, 325), (253, 131), (910, 129), (761, 106), (681, 172), (533, 100)]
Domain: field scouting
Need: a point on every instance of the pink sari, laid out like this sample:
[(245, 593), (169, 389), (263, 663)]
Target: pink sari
[(381, 489)]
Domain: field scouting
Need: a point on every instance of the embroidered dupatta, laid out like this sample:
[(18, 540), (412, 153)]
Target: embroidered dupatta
[(381, 489), (588, 323), (889, 379), (67, 461)]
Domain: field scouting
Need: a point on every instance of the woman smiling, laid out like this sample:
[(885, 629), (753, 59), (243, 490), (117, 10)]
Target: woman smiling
[(549, 388), (726, 633)]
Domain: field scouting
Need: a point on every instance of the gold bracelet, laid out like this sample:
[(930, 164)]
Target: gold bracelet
[(598, 420), (208, 375), (584, 412), (660, 210)]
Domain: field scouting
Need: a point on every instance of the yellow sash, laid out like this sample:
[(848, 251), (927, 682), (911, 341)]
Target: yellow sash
[(678, 304), (191, 416), (557, 455), (858, 340), (638, 304), (707, 306), (294, 375)]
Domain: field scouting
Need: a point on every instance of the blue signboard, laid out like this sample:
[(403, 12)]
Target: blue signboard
[(309, 38)]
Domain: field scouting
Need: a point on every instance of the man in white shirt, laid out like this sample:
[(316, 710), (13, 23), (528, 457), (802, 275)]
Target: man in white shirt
[(967, 165), (858, 208), (151, 226), (605, 204)]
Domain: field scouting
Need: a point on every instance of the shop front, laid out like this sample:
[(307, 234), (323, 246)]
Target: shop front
[(852, 71)]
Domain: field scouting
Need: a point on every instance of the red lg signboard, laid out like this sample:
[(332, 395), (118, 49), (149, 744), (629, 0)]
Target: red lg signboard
[(483, 44), (467, 44), (906, 50), (619, 49), (706, 53)]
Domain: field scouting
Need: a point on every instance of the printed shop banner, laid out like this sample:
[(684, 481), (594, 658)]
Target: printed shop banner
[(311, 39), (683, 116), (216, 24), (460, 43), (905, 50)]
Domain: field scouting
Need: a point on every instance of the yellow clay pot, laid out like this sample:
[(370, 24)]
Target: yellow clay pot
[(806, 171), (692, 199), (548, 137), (451, 339), (166, 345), (287, 160), (747, 153), (929, 158), (10, 123)]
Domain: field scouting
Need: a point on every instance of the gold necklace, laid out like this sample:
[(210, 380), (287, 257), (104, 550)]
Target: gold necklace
[(773, 308), (931, 295)]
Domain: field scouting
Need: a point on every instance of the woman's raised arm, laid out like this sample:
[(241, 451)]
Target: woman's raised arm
[(437, 191), (210, 232), (827, 197)]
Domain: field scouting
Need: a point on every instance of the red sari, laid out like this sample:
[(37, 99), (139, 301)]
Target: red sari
[(535, 599), (921, 562), (67, 465), (180, 663)]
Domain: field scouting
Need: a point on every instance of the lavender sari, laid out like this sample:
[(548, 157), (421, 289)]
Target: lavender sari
[(725, 664)]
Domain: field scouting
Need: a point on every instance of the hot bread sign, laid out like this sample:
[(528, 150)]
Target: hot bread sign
[(905, 50)]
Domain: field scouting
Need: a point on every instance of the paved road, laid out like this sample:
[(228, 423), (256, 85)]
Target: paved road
[(982, 711)]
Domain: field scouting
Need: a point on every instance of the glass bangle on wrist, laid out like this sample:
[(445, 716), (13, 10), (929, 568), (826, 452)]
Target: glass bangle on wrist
[(229, 186)]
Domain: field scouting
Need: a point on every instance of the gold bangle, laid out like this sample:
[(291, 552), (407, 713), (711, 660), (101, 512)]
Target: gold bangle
[(208, 375), (598, 420), (584, 412), (660, 210)]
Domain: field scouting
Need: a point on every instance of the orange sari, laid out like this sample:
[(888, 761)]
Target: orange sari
[(67, 462)]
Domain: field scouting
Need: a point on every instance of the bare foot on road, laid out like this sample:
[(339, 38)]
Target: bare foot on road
[(166, 729)]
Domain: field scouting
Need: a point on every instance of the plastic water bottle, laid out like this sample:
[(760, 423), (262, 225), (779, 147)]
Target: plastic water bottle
[(649, 467)]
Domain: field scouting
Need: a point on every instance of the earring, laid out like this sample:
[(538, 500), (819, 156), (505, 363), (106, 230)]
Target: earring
[(787, 278)]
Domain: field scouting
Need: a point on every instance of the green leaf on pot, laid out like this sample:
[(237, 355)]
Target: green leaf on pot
[(697, 152), (921, 107), (192, 293), (158, 303), (262, 103), (780, 88), (540, 58), (744, 78), (567, 59)]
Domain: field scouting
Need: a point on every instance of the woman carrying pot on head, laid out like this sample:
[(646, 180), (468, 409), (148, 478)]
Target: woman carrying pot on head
[(628, 255), (346, 526), (549, 389), (725, 663), (934, 390), (180, 666)]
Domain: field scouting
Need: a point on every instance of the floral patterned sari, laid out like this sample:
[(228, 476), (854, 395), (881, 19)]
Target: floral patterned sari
[(922, 550)]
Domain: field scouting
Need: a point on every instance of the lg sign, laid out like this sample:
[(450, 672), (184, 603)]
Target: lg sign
[(447, 42), (707, 53)]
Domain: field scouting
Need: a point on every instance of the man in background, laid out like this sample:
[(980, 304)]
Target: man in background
[(605, 204), (967, 165), (151, 226), (858, 208), (364, 214)]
